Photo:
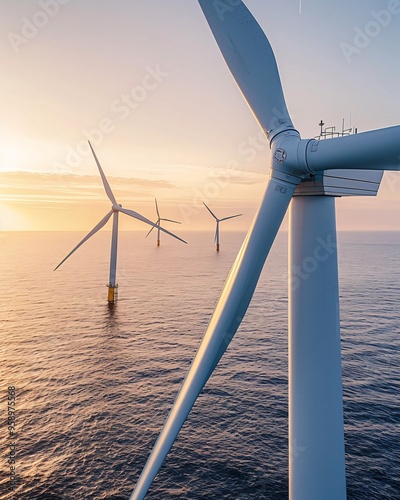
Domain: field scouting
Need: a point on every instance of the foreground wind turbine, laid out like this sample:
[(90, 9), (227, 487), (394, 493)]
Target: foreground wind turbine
[(116, 208), (316, 434), (158, 222), (216, 238)]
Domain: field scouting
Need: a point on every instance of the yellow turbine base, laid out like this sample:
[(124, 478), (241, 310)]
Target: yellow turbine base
[(112, 294), (158, 243), (218, 247)]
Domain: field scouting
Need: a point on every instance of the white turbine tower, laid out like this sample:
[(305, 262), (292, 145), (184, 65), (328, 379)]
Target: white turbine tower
[(116, 208), (315, 380), (216, 238), (158, 222)]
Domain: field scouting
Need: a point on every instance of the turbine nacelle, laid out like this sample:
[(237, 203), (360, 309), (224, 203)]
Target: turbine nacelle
[(295, 159)]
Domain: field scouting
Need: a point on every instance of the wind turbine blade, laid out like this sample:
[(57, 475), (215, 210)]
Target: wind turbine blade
[(137, 216), (227, 316), (174, 221), (215, 217), (231, 217), (251, 60), (150, 231), (158, 213), (96, 228), (103, 178), (373, 150)]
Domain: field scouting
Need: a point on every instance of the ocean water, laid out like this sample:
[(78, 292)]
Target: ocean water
[(94, 383)]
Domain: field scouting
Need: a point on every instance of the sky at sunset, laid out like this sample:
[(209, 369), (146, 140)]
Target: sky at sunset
[(145, 81)]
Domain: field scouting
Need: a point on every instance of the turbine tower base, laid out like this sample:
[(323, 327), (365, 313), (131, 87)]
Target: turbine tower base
[(112, 293), (217, 247), (158, 243)]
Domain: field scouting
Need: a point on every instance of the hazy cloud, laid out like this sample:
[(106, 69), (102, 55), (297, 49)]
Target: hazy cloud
[(29, 187)]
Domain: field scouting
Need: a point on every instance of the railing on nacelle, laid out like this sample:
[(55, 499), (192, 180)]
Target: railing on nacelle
[(340, 182)]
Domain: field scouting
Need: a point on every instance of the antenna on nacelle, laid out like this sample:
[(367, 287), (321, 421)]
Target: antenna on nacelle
[(330, 132)]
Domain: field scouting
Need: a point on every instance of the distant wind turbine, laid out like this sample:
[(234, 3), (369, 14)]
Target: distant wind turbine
[(216, 238), (115, 209), (157, 224)]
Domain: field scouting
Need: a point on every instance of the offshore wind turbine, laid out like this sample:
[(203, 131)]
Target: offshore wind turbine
[(216, 237), (114, 212), (158, 222), (316, 171)]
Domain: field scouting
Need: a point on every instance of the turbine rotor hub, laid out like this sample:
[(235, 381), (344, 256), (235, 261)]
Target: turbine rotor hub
[(289, 160)]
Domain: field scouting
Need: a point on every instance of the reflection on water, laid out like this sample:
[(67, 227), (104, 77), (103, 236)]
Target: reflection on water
[(95, 381)]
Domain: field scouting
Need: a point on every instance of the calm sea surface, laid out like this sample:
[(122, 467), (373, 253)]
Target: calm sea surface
[(94, 383)]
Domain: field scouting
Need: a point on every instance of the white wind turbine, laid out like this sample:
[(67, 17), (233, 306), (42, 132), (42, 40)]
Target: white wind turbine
[(216, 238), (158, 222), (115, 209), (317, 471)]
